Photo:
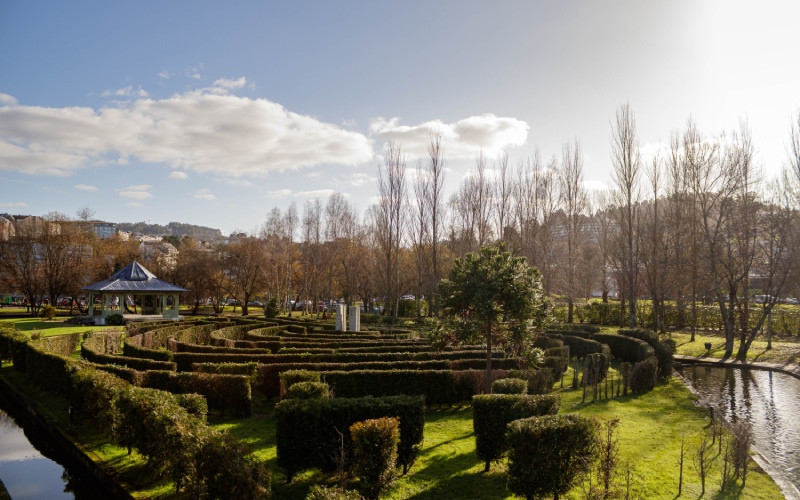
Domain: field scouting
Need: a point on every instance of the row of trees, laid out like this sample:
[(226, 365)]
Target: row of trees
[(696, 222)]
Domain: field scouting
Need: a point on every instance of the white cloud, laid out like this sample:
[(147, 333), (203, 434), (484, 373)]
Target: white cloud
[(280, 193), (358, 179), (193, 72), (205, 194), (134, 204), (138, 192), (178, 175), (13, 204), (197, 131), (462, 139), (85, 187), (128, 91), (229, 84), (164, 75), (7, 100)]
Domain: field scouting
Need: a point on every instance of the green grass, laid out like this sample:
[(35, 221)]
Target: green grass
[(784, 349), (55, 327)]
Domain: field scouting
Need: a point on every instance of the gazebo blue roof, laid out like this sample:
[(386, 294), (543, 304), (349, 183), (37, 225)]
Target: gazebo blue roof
[(133, 278)]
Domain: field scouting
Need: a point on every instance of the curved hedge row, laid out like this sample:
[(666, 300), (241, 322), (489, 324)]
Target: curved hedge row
[(626, 348), (175, 442), (89, 354)]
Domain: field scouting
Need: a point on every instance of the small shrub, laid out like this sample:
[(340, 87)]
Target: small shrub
[(308, 390), (375, 453), (510, 386), (47, 312)]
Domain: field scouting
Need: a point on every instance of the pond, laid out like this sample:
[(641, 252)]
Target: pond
[(29, 467), (768, 400)]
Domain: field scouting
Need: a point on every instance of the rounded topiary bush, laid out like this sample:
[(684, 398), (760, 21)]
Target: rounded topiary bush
[(510, 386), (308, 390)]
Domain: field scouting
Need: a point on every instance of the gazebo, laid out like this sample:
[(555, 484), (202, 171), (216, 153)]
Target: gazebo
[(157, 296)]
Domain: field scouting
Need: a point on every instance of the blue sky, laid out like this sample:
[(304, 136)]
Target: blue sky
[(213, 113)]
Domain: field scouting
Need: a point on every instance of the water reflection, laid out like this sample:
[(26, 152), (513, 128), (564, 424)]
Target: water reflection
[(767, 400), (28, 473)]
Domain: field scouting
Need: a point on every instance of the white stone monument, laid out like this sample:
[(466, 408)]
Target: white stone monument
[(355, 319), (341, 317)]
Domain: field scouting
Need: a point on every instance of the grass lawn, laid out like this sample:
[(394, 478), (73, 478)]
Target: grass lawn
[(650, 432), (55, 327), (784, 349)]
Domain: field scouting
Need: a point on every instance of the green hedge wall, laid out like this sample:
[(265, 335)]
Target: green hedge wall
[(306, 428), (625, 348), (491, 413), (225, 393), (438, 386), (184, 360), (136, 363), (135, 351), (268, 382), (664, 349)]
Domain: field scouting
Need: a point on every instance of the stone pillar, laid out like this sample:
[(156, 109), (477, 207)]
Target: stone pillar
[(355, 319), (341, 317)]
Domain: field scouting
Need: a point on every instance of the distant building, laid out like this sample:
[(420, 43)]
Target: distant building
[(104, 230)]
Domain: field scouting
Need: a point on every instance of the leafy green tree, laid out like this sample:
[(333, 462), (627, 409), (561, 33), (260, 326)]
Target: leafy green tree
[(494, 292)]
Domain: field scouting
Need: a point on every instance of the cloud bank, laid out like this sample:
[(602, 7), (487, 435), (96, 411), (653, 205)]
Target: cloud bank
[(202, 131), (213, 131)]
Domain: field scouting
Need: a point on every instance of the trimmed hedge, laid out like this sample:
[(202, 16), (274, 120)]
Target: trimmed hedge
[(664, 349), (134, 351), (223, 392), (644, 375), (175, 442), (308, 390), (440, 387), (306, 428), (548, 454), (127, 361), (492, 412), (248, 369), (184, 360), (268, 381), (510, 386), (580, 347), (625, 348)]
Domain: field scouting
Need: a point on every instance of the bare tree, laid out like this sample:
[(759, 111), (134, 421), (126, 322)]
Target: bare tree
[(573, 201), (391, 221), (503, 189), (434, 195), (626, 163)]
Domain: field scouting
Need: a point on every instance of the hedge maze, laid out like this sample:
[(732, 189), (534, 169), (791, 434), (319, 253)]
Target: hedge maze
[(323, 382)]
